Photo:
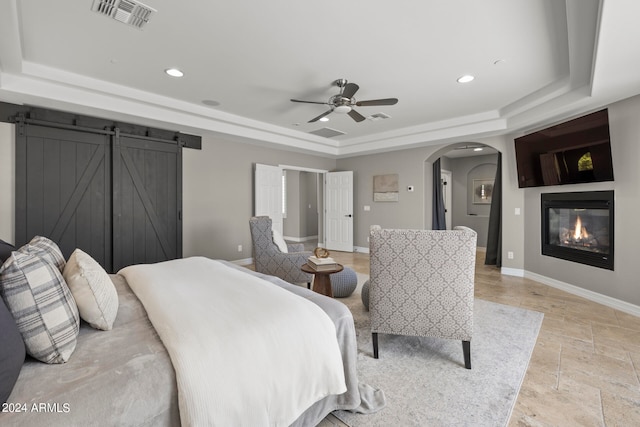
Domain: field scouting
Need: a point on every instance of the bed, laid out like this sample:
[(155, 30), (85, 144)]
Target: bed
[(128, 377)]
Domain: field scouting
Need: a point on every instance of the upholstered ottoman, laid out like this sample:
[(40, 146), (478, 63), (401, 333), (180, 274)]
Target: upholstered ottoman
[(365, 295), (344, 283)]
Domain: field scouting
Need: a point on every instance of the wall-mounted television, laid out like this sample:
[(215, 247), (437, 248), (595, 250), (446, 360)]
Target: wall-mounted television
[(577, 151)]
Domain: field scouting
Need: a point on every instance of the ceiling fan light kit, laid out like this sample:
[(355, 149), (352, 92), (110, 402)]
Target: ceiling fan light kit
[(344, 102), (342, 109)]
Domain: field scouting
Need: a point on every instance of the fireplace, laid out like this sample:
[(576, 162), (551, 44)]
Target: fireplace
[(579, 227)]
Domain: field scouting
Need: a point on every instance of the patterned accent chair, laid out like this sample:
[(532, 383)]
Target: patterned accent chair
[(270, 260), (422, 284)]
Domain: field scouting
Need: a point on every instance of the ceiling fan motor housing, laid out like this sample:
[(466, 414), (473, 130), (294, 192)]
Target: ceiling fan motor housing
[(341, 104)]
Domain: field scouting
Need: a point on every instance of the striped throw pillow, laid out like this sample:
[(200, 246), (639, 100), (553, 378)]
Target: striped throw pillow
[(46, 249), (41, 304)]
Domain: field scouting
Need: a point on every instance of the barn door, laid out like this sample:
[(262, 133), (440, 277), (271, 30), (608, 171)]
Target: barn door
[(147, 200), (63, 189)]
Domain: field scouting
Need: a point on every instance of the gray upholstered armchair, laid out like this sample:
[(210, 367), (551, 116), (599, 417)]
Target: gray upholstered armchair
[(270, 260), (422, 284)]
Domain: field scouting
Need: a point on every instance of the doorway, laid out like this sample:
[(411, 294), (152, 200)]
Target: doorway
[(277, 195), (295, 200)]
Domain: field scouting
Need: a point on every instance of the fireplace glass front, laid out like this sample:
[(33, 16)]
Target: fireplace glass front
[(579, 227)]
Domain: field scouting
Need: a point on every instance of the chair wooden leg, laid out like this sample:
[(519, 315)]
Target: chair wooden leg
[(374, 338), (466, 349)]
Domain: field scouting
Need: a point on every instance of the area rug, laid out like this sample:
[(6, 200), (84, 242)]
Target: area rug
[(424, 379)]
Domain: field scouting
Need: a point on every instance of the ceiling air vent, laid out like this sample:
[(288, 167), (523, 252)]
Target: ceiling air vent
[(129, 12), (378, 116), (327, 132)]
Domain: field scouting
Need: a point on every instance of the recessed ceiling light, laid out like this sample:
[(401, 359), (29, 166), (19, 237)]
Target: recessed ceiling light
[(324, 119), (466, 78), (210, 102), (174, 72), (477, 149)]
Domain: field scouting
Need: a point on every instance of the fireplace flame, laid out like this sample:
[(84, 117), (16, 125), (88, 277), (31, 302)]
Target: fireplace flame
[(580, 232), (577, 232)]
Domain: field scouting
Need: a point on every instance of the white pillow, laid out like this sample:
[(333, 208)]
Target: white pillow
[(92, 289), (279, 241)]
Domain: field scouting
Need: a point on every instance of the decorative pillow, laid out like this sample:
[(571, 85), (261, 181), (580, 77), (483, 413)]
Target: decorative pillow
[(11, 352), (279, 241), (92, 289), (41, 304), (46, 249), (5, 251)]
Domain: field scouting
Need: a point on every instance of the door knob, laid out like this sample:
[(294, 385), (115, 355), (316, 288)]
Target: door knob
[(349, 216)]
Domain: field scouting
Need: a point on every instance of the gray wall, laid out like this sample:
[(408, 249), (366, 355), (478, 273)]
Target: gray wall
[(309, 204), (623, 282), (7, 178), (463, 211), (521, 233), (218, 200), (301, 222), (407, 212), (218, 194), (413, 210), (291, 224)]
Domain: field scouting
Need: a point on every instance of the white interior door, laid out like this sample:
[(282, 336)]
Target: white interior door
[(339, 211), (445, 176), (268, 193)]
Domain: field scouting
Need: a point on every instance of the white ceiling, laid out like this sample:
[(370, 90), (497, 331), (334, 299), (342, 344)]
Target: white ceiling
[(535, 62)]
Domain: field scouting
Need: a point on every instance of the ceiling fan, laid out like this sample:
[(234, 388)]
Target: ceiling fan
[(344, 102)]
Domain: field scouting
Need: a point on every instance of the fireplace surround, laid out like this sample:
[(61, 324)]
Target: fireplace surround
[(578, 227)]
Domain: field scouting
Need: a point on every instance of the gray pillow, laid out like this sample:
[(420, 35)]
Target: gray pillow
[(5, 251), (11, 352)]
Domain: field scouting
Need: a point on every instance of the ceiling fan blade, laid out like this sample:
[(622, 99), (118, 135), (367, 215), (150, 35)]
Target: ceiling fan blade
[(356, 116), (315, 119), (310, 102), (350, 89), (385, 101)]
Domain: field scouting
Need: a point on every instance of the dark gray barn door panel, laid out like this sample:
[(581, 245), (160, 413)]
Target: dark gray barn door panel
[(63, 189), (147, 200)]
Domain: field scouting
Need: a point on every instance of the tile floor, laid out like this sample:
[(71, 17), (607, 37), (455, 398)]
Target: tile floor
[(585, 368)]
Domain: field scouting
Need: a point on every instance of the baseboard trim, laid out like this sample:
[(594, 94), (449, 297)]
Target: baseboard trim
[(244, 261), (585, 293), (300, 239), (361, 249), (518, 272)]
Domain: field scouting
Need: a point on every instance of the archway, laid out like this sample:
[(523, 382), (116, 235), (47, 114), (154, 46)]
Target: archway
[(468, 168)]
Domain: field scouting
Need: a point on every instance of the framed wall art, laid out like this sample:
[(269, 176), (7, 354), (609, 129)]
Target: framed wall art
[(482, 191), (385, 188)]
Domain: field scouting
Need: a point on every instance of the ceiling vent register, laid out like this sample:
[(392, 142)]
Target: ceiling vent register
[(128, 12), (378, 116), (327, 132)]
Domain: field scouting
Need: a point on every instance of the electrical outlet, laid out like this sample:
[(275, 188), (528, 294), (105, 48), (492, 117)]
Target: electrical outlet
[(239, 248), (367, 208), (510, 255)]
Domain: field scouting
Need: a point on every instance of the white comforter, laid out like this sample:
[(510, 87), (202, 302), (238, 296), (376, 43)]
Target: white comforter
[(245, 352)]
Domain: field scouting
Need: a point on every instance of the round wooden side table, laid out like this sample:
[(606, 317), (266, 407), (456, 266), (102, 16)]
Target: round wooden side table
[(322, 279)]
